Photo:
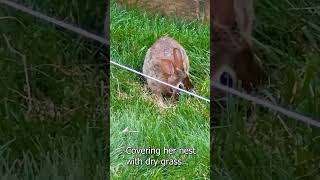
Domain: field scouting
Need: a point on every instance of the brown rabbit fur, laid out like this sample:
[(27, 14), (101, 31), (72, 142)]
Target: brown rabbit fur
[(166, 60), (233, 55)]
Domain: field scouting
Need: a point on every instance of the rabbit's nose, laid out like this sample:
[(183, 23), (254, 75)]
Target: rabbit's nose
[(226, 79)]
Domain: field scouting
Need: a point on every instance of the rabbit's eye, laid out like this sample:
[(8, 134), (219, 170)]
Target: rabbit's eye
[(226, 79), (180, 85)]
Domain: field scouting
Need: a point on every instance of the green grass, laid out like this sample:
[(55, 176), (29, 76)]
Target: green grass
[(184, 125), (88, 14), (268, 145), (62, 135)]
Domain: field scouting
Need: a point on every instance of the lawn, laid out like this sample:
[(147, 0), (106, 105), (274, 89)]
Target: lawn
[(60, 133), (183, 125), (269, 145)]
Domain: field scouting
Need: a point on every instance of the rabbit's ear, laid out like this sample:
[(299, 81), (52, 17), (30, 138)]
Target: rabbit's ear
[(177, 58), (244, 15), (167, 66), (223, 12), (227, 13)]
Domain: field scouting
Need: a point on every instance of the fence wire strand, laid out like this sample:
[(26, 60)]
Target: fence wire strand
[(149, 77), (62, 24), (266, 104)]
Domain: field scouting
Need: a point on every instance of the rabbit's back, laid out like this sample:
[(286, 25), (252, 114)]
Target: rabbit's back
[(163, 49)]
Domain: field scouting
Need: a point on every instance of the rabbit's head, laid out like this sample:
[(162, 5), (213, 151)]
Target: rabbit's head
[(176, 72), (233, 64), (231, 14), (233, 57)]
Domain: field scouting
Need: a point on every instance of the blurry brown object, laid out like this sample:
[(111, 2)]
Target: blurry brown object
[(188, 9), (167, 61), (233, 56)]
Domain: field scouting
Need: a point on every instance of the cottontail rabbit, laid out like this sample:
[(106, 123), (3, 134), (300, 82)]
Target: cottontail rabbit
[(166, 60), (233, 57)]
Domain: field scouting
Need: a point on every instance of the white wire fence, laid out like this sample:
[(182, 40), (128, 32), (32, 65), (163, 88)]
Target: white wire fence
[(162, 82), (84, 33)]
